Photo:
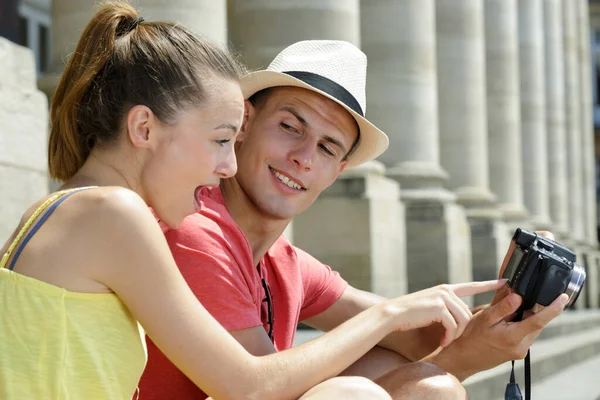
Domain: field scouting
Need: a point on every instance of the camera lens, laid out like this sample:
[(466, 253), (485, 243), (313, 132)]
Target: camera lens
[(575, 285)]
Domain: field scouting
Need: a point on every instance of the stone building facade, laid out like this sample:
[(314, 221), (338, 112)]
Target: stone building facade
[(489, 106)]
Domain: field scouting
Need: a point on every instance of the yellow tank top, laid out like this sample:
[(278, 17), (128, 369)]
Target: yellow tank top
[(57, 344)]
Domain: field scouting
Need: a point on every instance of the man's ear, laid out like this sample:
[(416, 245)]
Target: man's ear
[(343, 165), (249, 112), (139, 123), (341, 168)]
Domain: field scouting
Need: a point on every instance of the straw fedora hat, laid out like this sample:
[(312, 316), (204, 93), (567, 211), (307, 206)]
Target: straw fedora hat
[(335, 69)]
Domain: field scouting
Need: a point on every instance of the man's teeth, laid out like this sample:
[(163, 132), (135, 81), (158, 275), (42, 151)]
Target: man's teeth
[(287, 180)]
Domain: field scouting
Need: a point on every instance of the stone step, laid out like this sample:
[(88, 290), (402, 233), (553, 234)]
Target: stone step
[(548, 356), (569, 343), (571, 321), (578, 382)]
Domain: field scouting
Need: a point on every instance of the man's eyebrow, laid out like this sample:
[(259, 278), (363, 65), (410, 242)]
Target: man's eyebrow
[(328, 138), (295, 113), (226, 125), (335, 142)]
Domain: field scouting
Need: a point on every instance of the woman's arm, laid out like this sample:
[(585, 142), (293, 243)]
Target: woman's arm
[(133, 259)]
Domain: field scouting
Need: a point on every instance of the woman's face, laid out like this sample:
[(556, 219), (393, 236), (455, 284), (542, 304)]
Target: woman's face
[(194, 151)]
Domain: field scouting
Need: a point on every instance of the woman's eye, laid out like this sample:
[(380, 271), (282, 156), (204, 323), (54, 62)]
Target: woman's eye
[(223, 141)]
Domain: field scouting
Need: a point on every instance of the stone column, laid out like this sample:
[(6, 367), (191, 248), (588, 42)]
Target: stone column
[(587, 126), (260, 29), (24, 116), (463, 128), (399, 40), (504, 120), (533, 112), (68, 21), (573, 115), (462, 110), (555, 117), (207, 18), (588, 156), (357, 227)]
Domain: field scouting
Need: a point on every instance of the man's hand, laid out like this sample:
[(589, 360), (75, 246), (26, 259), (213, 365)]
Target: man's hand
[(505, 290), (489, 340)]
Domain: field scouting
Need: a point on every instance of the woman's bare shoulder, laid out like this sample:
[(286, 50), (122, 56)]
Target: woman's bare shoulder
[(96, 211)]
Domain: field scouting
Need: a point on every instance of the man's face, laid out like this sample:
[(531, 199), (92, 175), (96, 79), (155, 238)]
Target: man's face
[(291, 149)]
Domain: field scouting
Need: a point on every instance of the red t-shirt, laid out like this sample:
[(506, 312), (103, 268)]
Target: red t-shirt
[(215, 259)]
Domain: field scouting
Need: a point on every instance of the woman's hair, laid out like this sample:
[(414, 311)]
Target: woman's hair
[(122, 61)]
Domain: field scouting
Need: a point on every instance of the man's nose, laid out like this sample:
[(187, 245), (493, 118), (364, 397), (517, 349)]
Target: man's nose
[(304, 154)]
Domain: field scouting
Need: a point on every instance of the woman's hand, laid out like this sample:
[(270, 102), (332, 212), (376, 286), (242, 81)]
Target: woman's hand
[(438, 304)]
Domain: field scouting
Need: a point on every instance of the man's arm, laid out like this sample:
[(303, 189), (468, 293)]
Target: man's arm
[(487, 342), (255, 340), (413, 345)]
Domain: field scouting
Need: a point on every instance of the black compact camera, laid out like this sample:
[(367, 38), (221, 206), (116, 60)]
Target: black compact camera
[(540, 270)]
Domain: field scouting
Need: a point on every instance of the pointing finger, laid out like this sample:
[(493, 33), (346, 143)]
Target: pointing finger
[(472, 288)]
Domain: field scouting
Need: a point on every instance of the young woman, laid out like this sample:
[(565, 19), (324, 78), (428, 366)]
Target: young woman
[(145, 115)]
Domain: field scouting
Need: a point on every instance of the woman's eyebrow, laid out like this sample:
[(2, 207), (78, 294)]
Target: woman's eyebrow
[(226, 125)]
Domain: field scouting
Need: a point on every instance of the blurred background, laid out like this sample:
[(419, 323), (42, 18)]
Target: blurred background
[(493, 115)]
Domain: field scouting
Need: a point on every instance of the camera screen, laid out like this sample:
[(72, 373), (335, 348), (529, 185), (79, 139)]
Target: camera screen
[(513, 263)]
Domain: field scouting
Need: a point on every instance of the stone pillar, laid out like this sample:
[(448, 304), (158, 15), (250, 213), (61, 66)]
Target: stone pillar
[(398, 38), (23, 131), (462, 110), (504, 121), (593, 278), (68, 21), (260, 29), (357, 227), (555, 118), (587, 126), (590, 295), (533, 112), (463, 129), (205, 17), (588, 156), (573, 115)]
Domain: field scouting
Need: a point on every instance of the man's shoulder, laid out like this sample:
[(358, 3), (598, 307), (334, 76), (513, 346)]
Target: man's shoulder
[(285, 255), (211, 226)]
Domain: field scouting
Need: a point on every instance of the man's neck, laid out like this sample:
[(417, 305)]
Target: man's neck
[(261, 231)]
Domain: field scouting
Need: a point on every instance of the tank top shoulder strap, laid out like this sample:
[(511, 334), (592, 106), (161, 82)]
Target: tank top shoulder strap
[(51, 203)]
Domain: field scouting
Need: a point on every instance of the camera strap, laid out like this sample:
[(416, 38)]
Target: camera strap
[(512, 391)]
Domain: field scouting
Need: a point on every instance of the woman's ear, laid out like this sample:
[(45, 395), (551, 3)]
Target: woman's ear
[(139, 124), (249, 112)]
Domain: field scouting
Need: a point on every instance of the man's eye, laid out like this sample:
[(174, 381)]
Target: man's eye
[(327, 150), (288, 128)]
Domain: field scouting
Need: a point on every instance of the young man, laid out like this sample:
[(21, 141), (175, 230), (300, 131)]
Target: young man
[(304, 124)]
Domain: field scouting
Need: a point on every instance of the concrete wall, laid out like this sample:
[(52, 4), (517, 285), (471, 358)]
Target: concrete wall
[(23, 127)]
